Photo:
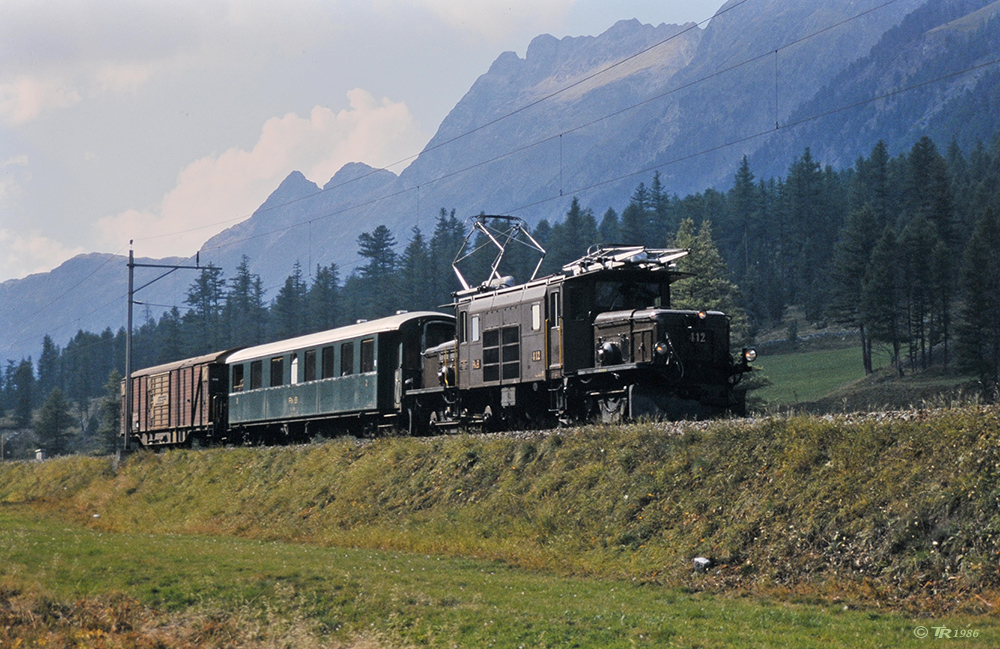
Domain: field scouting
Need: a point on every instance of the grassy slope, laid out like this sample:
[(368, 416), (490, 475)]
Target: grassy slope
[(900, 510), (898, 514)]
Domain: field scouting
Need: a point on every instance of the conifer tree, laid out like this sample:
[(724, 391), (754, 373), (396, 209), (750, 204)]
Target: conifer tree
[(323, 299), (851, 256), (915, 243), (444, 245), (53, 427), (571, 239), (203, 323), (660, 217), (380, 294), (109, 417), (928, 188), (244, 313), (414, 279), (608, 230), (710, 288), (48, 366), (743, 204), (636, 221), (289, 312), (979, 332), (21, 388), (881, 296)]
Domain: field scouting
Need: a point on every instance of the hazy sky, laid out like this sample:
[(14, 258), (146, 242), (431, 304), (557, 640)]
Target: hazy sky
[(166, 121)]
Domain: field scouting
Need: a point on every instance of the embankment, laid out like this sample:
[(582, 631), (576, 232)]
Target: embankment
[(902, 511)]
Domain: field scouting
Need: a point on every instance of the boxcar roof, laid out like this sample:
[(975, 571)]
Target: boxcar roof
[(381, 325), (215, 357)]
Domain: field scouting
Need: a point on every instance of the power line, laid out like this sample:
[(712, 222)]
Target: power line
[(594, 185), (558, 136), (464, 134)]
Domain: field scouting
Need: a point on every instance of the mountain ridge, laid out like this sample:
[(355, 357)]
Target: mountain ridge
[(690, 107)]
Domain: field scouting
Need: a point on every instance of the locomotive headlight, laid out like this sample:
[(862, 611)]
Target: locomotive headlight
[(609, 354), (661, 348), (749, 354), (702, 315)]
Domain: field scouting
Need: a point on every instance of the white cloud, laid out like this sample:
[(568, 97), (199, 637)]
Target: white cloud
[(14, 173), (214, 192), (495, 20), (24, 254), (126, 77), (27, 97)]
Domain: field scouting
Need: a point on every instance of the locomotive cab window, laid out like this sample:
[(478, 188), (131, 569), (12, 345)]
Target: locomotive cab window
[(237, 378), (536, 316), (554, 311), (463, 328), (277, 370), (436, 333), (256, 375), (475, 328), (615, 296), (368, 355)]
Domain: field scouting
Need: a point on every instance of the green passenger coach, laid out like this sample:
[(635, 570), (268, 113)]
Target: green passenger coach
[(353, 377)]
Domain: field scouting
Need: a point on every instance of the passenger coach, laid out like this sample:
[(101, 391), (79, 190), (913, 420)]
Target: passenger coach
[(353, 378)]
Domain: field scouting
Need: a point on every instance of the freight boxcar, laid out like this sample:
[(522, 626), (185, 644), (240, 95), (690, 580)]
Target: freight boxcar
[(176, 403)]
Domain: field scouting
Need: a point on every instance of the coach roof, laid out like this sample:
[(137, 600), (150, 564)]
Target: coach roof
[(350, 332)]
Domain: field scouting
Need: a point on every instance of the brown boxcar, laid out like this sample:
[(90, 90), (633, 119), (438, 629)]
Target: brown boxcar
[(177, 402)]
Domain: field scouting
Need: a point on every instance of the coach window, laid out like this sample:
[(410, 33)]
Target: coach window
[(346, 359), (237, 378), (536, 316), (475, 328), (256, 374), (293, 376), (277, 370), (368, 355), (328, 362), (309, 371)]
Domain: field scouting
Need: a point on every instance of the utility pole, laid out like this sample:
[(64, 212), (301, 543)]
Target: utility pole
[(128, 331)]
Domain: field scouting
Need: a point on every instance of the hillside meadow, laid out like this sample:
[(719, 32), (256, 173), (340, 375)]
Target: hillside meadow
[(894, 517)]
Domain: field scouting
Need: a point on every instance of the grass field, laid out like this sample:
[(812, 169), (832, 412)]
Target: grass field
[(225, 591), (824, 532), (810, 375), (833, 380)]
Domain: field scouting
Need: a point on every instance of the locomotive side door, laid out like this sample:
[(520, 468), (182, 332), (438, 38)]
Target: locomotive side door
[(553, 322), (533, 334)]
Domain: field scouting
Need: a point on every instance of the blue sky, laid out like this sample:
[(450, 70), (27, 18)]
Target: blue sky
[(166, 121)]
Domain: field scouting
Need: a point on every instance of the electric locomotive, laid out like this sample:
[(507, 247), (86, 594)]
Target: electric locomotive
[(596, 340)]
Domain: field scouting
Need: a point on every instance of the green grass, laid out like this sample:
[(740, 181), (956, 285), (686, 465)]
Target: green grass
[(833, 380), (810, 375), (898, 515), (421, 600)]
